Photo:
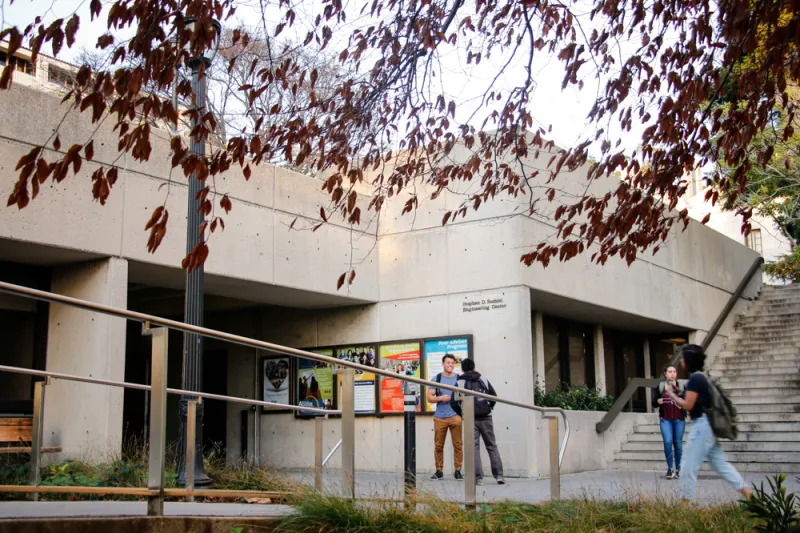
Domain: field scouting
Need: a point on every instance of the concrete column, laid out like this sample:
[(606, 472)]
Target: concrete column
[(599, 359), (648, 373), (539, 372), (86, 419)]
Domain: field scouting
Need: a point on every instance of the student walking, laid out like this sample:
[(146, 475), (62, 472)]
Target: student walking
[(672, 420), (484, 427), (702, 443)]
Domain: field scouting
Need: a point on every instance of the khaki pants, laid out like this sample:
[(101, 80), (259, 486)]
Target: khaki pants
[(440, 427)]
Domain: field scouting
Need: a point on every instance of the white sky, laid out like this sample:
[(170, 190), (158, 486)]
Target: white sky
[(565, 111)]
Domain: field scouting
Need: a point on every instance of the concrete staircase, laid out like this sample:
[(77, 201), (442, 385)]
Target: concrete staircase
[(760, 369)]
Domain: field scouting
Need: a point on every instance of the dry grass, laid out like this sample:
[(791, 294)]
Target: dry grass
[(317, 513)]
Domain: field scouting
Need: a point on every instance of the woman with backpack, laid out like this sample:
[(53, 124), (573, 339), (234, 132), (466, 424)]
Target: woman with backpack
[(672, 420), (702, 443)]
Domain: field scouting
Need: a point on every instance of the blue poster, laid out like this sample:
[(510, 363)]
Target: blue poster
[(458, 347)]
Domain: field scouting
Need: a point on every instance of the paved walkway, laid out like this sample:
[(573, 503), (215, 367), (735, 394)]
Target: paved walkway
[(603, 484)]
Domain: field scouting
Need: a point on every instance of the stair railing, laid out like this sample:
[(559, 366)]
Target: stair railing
[(635, 383)]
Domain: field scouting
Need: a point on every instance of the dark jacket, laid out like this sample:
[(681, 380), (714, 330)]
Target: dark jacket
[(658, 393), (470, 379)]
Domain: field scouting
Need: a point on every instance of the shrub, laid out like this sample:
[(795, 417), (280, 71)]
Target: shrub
[(573, 398), (776, 512)]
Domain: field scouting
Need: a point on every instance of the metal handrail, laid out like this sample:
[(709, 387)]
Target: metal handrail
[(139, 386), (150, 320), (635, 383)]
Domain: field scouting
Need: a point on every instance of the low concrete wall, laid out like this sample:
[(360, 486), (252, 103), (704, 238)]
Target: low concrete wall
[(586, 449)]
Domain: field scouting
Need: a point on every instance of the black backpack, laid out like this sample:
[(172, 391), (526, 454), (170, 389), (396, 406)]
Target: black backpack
[(482, 406)]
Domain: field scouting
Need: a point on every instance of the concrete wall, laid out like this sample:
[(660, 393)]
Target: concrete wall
[(86, 419), (256, 247)]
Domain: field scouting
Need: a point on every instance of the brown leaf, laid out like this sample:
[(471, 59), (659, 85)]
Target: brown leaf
[(340, 282), (155, 217), (88, 150)]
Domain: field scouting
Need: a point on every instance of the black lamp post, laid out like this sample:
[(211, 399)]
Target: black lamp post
[(192, 376)]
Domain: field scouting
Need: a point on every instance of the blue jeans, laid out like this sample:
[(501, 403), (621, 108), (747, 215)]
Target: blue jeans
[(702, 445), (672, 433)]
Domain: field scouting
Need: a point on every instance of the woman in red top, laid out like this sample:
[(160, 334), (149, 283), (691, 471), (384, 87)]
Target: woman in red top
[(672, 420)]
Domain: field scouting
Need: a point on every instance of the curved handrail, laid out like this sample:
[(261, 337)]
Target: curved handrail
[(150, 320)]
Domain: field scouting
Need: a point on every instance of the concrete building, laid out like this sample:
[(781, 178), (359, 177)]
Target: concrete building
[(416, 283), (765, 238)]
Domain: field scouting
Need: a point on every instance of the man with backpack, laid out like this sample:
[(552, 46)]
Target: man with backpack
[(484, 427), (446, 418)]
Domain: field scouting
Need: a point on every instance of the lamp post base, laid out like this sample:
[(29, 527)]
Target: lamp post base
[(200, 477)]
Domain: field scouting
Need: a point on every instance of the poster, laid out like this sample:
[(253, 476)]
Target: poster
[(436, 349), (402, 359), (315, 382), (276, 380), (364, 381)]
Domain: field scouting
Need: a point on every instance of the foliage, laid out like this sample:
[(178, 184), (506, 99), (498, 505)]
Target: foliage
[(390, 123), (786, 268), (315, 513), (777, 511), (573, 398), (130, 470)]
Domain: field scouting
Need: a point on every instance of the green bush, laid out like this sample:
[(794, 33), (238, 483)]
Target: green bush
[(573, 398), (776, 512)]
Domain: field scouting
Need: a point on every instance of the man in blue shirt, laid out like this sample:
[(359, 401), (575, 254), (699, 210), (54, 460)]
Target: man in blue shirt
[(445, 418)]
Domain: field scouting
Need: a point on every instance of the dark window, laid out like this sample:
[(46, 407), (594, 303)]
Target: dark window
[(18, 63)]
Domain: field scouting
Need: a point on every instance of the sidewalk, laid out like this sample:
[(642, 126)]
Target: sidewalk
[(601, 484)]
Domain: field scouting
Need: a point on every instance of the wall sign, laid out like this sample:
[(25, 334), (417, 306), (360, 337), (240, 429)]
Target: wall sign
[(364, 381), (276, 381), (315, 383), (402, 359)]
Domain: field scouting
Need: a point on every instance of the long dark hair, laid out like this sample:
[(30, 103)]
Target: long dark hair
[(695, 357)]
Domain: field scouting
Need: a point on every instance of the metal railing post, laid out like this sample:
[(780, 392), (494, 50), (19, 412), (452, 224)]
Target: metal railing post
[(318, 454), (468, 421), (37, 432), (158, 421), (555, 469), (348, 434), (191, 433), (409, 442)]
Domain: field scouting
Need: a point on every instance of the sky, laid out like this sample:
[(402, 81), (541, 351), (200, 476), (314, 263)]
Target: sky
[(565, 111)]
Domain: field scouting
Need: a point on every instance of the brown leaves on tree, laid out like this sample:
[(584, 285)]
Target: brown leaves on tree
[(340, 121)]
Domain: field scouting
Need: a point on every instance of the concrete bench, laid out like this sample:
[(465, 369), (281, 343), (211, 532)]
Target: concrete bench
[(16, 436)]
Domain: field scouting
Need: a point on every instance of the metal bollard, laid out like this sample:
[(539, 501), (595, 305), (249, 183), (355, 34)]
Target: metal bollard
[(318, 453), (555, 470), (37, 432), (348, 434), (158, 421), (191, 437), (468, 421)]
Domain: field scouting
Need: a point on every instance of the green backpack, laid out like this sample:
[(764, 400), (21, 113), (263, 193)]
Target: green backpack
[(721, 412)]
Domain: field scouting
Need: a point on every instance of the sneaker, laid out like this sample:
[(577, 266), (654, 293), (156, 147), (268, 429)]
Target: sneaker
[(458, 475), (669, 474), (501, 481), (676, 475), (479, 481), (438, 475)]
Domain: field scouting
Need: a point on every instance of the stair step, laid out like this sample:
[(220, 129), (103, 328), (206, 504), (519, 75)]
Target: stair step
[(745, 427), (758, 356), (771, 393), (653, 433), (766, 468), (771, 370), (734, 446), (734, 457), (769, 417), (746, 383), (768, 408), (749, 364)]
